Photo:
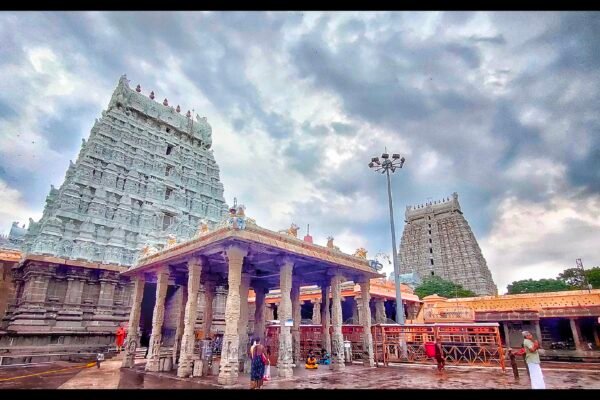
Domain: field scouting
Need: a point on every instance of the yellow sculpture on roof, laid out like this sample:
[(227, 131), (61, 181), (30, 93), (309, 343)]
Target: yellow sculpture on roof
[(361, 252), (291, 231)]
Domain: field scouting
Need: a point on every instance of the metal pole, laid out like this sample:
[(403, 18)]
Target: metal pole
[(399, 305)]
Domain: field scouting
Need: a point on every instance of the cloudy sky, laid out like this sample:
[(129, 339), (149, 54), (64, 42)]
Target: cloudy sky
[(499, 107)]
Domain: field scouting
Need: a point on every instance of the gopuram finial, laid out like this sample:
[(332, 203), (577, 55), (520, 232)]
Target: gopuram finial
[(152, 95), (188, 114), (165, 102), (178, 109), (138, 89)]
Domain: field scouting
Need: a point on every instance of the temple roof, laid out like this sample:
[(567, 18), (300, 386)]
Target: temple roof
[(264, 246)]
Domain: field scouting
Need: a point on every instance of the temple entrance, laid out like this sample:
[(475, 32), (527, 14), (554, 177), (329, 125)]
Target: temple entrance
[(148, 301)]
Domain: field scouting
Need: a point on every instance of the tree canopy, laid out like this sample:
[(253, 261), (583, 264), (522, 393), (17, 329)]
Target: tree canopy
[(437, 285), (537, 286)]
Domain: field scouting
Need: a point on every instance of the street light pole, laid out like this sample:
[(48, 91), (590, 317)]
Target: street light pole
[(384, 167), (399, 305)]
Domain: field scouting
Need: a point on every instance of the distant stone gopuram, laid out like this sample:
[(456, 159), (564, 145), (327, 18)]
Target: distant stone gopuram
[(437, 240)]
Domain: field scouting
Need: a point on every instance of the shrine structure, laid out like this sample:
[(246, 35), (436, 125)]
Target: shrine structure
[(244, 256)]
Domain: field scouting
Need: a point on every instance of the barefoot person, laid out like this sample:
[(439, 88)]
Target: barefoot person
[(120, 338), (257, 368)]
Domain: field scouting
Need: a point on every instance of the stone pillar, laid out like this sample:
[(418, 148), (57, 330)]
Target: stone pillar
[(316, 317), (506, 334), (107, 292), (186, 365), (355, 313), (182, 302), (74, 290), (337, 339), (365, 318), (133, 335), (296, 316), (575, 329), (243, 323), (380, 311), (325, 318), (36, 288), (228, 372), (209, 295), (596, 338), (538, 331), (284, 312), (259, 312), (158, 316)]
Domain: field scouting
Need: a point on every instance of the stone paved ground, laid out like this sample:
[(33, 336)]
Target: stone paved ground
[(354, 377)]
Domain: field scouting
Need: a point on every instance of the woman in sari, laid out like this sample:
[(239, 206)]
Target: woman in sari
[(257, 369)]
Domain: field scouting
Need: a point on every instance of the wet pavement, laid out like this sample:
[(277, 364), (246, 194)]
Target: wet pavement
[(403, 376)]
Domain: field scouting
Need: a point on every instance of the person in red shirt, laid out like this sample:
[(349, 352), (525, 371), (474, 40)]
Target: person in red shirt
[(120, 338)]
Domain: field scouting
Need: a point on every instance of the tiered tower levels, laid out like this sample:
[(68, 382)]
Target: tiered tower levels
[(146, 171), (438, 240)]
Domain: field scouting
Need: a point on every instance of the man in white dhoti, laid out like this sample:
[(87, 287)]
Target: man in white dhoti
[(532, 358)]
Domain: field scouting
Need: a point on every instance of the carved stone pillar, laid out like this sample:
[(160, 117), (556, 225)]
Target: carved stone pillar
[(186, 365), (296, 316), (107, 291), (380, 311), (316, 316), (355, 313), (158, 317), (596, 337), (284, 313), (538, 331), (133, 335), (337, 339), (243, 322), (506, 334), (36, 287), (325, 318), (259, 312), (209, 295), (181, 297), (365, 319), (575, 329), (231, 340), (74, 290)]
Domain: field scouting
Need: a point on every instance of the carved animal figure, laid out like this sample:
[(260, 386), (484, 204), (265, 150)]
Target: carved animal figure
[(361, 252), (292, 230), (148, 250), (202, 228), (171, 240), (330, 243)]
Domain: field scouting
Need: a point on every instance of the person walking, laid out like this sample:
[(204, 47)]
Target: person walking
[(439, 356), (257, 368), (532, 358)]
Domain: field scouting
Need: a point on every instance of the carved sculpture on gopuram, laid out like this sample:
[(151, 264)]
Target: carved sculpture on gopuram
[(330, 244), (291, 231), (361, 252), (113, 184)]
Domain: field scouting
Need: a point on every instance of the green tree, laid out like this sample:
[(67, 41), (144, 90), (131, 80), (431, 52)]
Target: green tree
[(593, 277), (573, 277), (537, 286), (436, 285)]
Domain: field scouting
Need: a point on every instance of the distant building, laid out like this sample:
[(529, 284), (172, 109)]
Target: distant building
[(411, 279), (15, 237), (437, 240)]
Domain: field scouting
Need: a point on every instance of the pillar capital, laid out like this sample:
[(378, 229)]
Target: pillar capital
[(282, 260), (236, 251), (200, 261)]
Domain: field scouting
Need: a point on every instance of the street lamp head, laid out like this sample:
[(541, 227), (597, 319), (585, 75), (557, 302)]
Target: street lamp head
[(385, 156), (375, 160), (395, 156), (370, 165)]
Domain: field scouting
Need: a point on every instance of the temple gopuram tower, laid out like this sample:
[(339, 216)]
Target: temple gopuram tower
[(145, 178), (437, 240)]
